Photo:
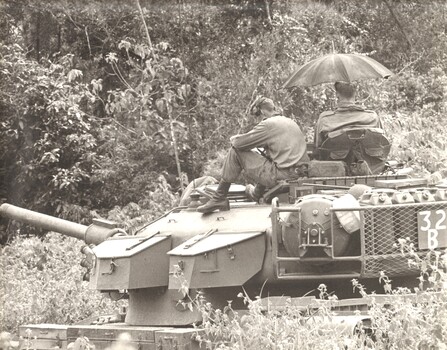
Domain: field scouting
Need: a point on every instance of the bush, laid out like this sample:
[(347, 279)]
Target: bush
[(89, 125), (97, 117), (406, 320), (41, 282), (41, 278), (48, 149)]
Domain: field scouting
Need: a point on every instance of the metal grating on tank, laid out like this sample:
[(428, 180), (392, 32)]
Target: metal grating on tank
[(379, 235), (392, 265), (385, 226)]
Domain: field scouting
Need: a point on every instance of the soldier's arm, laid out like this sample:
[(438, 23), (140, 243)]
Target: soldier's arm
[(257, 137), (317, 133)]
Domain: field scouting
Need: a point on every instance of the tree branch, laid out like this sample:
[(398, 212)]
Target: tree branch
[(171, 126), (267, 10), (88, 40), (407, 39), (146, 29), (111, 119), (411, 63)]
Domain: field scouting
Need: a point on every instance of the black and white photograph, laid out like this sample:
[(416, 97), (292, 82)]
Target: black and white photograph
[(223, 175)]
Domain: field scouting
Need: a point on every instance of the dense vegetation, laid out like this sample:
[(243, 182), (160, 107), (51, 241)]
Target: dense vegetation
[(400, 323), (94, 108), (104, 114)]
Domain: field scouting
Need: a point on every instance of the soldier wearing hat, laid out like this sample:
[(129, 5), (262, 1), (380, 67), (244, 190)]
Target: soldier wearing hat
[(284, 149)]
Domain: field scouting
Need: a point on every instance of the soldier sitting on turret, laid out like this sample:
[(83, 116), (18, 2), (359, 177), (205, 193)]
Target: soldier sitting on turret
[(346, 116), (284, 150)]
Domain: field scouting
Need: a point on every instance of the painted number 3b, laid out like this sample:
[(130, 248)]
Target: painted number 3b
[(432, 229)]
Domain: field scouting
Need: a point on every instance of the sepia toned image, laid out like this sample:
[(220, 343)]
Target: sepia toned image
[(239, 174)]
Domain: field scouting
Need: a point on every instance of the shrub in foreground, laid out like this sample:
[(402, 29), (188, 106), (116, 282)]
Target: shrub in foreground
[(408, 320), (41, 282)]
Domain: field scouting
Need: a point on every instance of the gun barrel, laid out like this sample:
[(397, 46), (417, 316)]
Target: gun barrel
[(43, 221)]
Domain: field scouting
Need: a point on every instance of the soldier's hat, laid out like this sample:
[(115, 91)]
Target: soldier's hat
[(261, 102)]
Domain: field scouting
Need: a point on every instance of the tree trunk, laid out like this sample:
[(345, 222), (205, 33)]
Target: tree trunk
[(390, 8), (37, 36)]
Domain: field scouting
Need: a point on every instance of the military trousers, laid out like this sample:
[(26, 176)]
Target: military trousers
[(256, 167)]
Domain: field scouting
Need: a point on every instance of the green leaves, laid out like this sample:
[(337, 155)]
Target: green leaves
[(73, 74), (111, 57), (42, 283), (47, 123), (152, 103), (113, 106), (124, 45), (50, 157)]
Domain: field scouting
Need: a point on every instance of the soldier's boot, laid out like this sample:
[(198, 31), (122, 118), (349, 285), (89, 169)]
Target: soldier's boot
[(254, 193), (218, 201)]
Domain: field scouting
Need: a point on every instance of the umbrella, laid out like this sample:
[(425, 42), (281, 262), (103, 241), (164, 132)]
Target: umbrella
[(337, 67)]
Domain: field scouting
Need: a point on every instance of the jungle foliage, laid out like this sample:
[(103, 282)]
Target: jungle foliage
[(401, 323), (94, 108), (102, 114)]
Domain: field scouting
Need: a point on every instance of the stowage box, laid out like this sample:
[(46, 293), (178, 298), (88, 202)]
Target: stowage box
[(100, 337), (43, 336), (119, 263)]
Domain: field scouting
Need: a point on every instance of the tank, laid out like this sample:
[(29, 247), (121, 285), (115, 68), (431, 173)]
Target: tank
[(305, 232)]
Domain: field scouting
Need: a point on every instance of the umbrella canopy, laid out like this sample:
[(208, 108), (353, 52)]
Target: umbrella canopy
[(337, 67)]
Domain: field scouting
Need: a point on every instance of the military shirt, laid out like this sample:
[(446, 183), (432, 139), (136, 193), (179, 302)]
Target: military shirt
[(281, 138), (346, 115)]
